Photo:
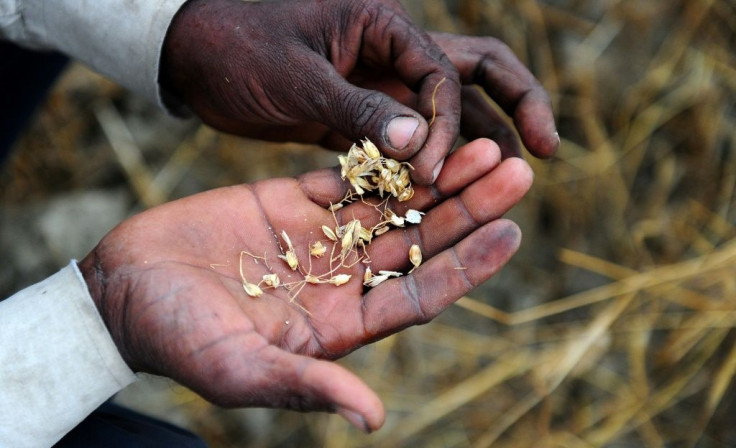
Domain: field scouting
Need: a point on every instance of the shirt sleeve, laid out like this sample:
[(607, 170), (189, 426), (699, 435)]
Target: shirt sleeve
[(121, 39), (58, 362)]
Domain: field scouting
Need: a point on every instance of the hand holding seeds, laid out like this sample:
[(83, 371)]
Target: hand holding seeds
[(336, 72), (245, 293)]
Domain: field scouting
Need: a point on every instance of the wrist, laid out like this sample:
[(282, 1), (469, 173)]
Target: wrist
[(103, 297)]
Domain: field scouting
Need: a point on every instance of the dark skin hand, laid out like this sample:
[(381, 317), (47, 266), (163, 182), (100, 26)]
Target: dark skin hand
[(167, 284), (334, 72)]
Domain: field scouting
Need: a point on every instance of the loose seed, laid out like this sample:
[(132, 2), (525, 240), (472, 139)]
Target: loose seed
[(415, 256), (329, 233), (367, 275), (290, 256), (252, 290), (381, 230), (340, 279)]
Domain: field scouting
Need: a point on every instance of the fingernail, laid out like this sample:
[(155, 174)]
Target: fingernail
[(355, 419), (437, 170), (400, 130)]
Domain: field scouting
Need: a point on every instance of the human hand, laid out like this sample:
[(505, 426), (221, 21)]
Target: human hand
[(168, 287), (336, 72)]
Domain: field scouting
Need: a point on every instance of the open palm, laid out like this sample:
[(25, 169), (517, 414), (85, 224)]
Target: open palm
[(168, 282)]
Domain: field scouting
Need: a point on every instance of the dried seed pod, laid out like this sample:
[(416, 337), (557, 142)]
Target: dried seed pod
[(329, 233), (390, 273), (348, 237), (413, 216), (356, 230), (402, 179), (392, 165), (252, 290), (415, 256), (394, 219), (271, 280), (290, 259), (407, 194), (317, 249), (311, 279), (360, 182), (290, 255), (340, 279), (375, 280), (344, 165), (367, 275), (392, 188), (380, 230), (370, 149), (335, 207), (365, 235), (286, 238)]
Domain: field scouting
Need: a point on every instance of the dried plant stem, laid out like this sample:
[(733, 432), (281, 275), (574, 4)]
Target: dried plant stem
[(434, 103)]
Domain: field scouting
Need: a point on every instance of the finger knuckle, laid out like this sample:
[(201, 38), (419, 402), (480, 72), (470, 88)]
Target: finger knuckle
[(364, 110)]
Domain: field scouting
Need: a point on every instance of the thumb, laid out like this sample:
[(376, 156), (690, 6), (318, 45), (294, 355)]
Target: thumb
[(357, 113), (272, 377)]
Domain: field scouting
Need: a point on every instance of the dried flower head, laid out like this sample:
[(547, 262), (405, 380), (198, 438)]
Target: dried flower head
[(367, 170), (317, 249)]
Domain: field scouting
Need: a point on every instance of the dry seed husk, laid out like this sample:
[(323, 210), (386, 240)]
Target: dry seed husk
[(394, 219), (380, 230), (290, 259), (375, 280), (329, 233), (317, 249), (252, 290), (415, 256), (367, 275), (290, 256), (271, 280), (413, 216), (370, 149), (340, 279), (312, 279)]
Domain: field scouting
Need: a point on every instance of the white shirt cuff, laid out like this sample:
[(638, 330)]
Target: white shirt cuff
[(121, 39), (58, 361)]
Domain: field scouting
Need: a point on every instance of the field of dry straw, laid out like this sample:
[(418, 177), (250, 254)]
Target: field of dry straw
[(613, 325)]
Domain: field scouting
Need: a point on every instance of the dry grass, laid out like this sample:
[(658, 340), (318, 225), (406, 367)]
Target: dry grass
[(613, 326)]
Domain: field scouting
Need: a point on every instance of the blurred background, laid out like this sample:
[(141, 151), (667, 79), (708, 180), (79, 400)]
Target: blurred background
[(612, 326)]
